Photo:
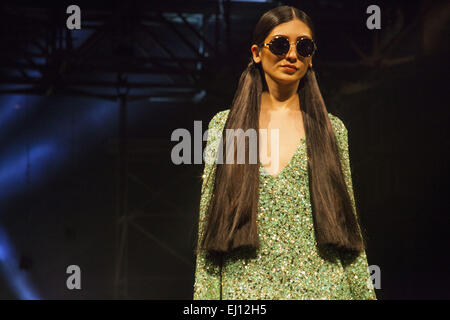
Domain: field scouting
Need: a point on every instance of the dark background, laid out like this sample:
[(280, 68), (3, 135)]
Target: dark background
[(86, 176)]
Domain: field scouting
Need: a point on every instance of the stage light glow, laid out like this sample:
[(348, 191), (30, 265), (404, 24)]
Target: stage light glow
[(48, 150), (17, 279)]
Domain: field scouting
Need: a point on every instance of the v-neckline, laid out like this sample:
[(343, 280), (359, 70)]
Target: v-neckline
[(302, 141)]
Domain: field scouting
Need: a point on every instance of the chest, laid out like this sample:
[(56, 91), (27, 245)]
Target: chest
[(280, 135)]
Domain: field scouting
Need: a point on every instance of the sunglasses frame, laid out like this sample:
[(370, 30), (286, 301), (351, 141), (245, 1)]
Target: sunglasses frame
[(290, 43)]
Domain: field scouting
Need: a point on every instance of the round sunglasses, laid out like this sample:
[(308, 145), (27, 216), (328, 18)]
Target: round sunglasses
[(280, 46)]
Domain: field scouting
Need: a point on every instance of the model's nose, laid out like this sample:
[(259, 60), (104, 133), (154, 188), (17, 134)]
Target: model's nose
[(292, 53)]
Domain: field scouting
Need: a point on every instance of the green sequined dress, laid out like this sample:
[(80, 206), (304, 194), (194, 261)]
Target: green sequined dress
[(287, 265)]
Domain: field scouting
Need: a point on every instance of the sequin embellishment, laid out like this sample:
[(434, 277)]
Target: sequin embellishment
[(288, 264)]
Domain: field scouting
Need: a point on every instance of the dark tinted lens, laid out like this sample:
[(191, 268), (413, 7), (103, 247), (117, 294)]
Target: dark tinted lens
[(279, 46), (305, 47)]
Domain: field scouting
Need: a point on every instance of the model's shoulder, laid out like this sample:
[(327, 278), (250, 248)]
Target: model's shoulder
[(337, 124), (340, 131), (219, 119)]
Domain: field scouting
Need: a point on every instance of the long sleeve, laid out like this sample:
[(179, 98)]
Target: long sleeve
[(356, 268), (207, 274)]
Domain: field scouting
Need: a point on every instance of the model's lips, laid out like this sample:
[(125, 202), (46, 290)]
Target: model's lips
[(289, 67)]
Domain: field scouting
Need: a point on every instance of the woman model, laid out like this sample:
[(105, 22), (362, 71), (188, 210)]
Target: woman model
[(286, 231)]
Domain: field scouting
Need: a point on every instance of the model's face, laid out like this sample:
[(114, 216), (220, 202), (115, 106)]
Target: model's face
[(272, 64)]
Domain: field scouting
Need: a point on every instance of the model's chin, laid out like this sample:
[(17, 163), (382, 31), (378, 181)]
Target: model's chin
[(285, 77), (288, 78)]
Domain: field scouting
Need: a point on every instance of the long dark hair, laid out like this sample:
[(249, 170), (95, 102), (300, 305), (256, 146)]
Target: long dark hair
[(232, 211)]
